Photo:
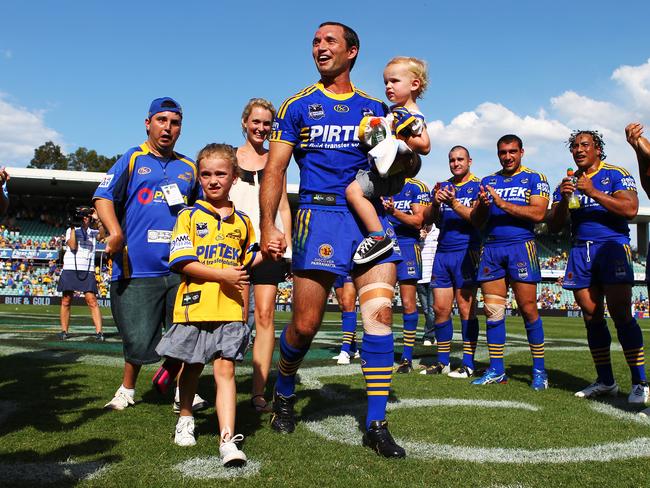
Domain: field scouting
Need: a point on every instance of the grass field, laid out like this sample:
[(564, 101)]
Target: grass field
[(54, 431)]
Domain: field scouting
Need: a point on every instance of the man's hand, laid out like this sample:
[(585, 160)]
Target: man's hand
[(567, 187), (498, 201), (273, 243), (114, 243), (484, 197), (236, 277), (446, 194), (4, 176), (389, 205), (585, 185), (633, 132)]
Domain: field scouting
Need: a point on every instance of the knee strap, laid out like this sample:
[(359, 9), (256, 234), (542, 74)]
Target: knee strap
[(495, 307), (373, 300)]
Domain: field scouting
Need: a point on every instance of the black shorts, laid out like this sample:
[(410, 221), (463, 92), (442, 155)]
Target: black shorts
[(269, 273)]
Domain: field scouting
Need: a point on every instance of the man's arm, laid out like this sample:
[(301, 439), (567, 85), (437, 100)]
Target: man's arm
[(641, 145), (557, 216), (271, 193), (481, 209), (285, 212), (415, 220), (535, 211), (622, 202), (106, 213)]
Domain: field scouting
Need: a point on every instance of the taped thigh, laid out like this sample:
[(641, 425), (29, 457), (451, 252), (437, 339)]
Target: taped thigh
[(376, 300)]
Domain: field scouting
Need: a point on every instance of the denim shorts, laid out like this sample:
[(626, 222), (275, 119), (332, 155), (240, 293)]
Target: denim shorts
[(140, 307)]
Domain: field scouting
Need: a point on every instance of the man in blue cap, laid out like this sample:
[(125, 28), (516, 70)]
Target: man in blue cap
[(138, 201)]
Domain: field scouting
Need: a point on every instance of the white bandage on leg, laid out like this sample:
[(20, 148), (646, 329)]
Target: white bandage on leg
[(374, 299), (494, 306)]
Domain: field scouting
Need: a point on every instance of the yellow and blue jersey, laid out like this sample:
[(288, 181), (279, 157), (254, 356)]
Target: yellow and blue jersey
[(133, 184), (413, 192), (592, 221), (456, 233), (517, 189), (200, 234), (323, 129)]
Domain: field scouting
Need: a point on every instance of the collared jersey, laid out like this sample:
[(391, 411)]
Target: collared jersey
[(592, 221), (414, 192), (456, 233), (323, 129), (503, 228), (133, 184), (200, 234)]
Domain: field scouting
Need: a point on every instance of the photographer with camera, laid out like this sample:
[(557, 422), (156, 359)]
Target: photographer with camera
[(79, 267)]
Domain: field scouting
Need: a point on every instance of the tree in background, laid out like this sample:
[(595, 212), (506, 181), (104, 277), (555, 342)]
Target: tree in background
[(50, 156)]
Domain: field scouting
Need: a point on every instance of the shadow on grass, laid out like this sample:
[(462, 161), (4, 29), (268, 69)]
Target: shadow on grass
[(41, 392)]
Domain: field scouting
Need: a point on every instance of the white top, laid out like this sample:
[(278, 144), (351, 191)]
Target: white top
[(246, 197), (84, 258), (429, 247)]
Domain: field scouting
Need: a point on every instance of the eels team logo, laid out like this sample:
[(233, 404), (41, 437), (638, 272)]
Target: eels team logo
[(326, 251)]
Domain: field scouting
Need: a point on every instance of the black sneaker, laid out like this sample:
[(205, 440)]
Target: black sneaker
[(378, 438), (371, 248), (63, 335), (99, 337), (438, 368), (405, 367), (283, 419)]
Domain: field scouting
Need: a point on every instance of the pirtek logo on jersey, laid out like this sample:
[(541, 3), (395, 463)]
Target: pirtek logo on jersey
[(218, 250)]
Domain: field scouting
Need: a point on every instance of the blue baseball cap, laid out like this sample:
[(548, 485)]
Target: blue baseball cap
[(164, 104)]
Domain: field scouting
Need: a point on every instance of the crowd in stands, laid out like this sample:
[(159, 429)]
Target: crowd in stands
[(548, 298), (554, 262)]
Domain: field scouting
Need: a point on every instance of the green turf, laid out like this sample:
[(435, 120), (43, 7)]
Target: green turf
[(51, 394)]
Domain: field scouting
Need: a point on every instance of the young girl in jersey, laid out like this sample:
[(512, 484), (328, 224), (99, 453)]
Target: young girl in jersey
[(406, 80), (213, 245)]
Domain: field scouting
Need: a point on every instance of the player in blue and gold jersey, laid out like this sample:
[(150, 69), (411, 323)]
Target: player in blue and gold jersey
[(454, 267), (600, 260), (406, 212), (510, 203), (137, 202), (318, 126)]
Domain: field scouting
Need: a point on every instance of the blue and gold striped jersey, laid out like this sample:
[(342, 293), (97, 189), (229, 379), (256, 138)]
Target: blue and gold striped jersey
[(456, 233), (200, 234), (323, 129), (414, 192), (592, 221), (503, 228), (133, 184)]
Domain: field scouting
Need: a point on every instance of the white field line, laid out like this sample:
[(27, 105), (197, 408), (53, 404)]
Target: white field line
[(344, 429), (616, 413), (211, 468)]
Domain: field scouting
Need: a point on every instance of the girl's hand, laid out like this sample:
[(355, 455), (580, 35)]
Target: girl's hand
[(236, 277)]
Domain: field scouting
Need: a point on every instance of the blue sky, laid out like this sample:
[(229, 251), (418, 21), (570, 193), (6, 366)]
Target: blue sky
[(83, 73)]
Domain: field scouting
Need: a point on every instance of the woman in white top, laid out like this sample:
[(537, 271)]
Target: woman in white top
[(257, 118)]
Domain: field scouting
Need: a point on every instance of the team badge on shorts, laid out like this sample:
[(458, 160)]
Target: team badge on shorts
[(201, 229), (191, 298), (522, 273), (326, 251)]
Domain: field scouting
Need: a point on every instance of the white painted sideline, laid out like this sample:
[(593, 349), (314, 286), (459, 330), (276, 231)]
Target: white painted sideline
[(211, 468), (345, 429)]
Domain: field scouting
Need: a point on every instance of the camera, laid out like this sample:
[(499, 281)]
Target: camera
[(76, 219)]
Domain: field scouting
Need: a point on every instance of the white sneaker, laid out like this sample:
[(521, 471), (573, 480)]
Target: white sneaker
[(197, 404), (597, 389), (427, 343), (184, 434), (120, 401), (639, 394), (231, 455), (344, 358)]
